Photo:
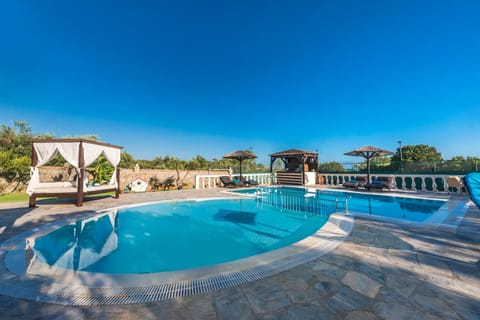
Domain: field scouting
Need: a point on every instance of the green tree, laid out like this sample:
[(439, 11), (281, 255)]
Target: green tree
[(15, 170), (87, 136), (380, 164), (473, 163), (126, 160), (15, 153), (198, 163), (278, 165), (456, 163), (222, 163), (419, 152), (17, 139), (102, 171), (420, 157), (331, 166), (145, 164), (461, 164)]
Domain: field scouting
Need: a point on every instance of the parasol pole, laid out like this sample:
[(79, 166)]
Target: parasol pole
[(240, 169), (368, 170)]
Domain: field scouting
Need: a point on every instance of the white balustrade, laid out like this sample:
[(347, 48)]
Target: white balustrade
[(210, 181), (207, 181), (411, 182)]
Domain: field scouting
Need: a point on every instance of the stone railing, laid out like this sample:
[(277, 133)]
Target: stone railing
[(210, 181), (412, 182)]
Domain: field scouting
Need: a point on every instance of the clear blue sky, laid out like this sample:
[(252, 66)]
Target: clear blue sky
[(183, 78)]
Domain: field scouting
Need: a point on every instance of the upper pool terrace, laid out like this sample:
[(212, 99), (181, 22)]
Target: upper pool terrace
[(382, 270)]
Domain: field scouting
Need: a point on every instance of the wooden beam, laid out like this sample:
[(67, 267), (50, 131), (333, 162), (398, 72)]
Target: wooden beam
[(76, 140), (303, 169), (32, 200), (117, 191), (34, 156)]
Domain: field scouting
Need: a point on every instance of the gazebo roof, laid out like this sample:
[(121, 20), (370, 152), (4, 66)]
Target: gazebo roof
[(294, 152)]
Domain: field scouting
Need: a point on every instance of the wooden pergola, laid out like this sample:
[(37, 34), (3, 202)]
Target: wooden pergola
[(296, 165), (80, 153)]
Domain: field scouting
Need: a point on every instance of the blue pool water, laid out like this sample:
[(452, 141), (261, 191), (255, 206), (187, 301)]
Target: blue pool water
[(173, 236), (190, 234), (401, 208)]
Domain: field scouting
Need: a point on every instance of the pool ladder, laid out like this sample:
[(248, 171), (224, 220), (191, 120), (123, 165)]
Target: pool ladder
[(307, 204)]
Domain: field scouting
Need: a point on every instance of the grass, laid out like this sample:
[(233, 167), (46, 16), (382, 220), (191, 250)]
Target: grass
[(23, 197), (14, 197)]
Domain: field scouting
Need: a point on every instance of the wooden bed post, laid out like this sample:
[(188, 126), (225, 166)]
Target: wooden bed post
[(80, 176), (117, 192), (303, 169), (32, 200)]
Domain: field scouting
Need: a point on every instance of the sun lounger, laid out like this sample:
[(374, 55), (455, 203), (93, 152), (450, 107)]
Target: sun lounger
[(246, 182), (355, 183), (229, 183), (381, 183)]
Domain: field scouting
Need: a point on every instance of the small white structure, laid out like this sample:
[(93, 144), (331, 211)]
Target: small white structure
[(138, 185)]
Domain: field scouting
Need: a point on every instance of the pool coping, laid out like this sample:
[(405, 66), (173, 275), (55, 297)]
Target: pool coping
[(84, 288)]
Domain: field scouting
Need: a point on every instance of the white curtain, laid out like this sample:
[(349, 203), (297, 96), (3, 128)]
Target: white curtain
[(45, 152), (34, 180), (91, 152), (113, 156), (69, 151)]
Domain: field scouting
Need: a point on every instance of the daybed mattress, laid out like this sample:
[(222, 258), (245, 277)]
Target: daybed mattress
[(65, 188)]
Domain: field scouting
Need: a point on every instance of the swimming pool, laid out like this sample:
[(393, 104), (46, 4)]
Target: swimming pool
[(42, 268), (390, 207), (171, 236), (191, 234)]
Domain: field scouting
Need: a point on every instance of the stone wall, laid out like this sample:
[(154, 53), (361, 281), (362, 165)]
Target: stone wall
[(187, 177), (48, 174)]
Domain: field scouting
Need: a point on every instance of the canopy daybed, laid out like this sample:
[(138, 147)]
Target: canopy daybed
[(80, 153)]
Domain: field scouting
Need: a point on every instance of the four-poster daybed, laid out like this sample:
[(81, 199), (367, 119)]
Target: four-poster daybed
[(80, 153)]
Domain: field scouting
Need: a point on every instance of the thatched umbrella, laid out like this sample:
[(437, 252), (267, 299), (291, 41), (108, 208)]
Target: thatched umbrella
[(369, 152), (240, 156)]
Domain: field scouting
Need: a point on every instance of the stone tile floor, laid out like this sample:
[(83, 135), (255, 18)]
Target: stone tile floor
[(382, 271)]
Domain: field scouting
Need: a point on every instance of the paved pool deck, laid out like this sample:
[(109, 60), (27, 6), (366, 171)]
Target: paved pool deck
[(382, 270)]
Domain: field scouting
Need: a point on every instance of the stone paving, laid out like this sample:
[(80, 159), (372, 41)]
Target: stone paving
[(382, 271)]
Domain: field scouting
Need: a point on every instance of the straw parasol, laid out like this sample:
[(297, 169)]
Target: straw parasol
[(369, 152), (240, 155)]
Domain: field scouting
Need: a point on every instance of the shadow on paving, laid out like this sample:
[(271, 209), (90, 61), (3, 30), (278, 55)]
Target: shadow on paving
[(14, 221)]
